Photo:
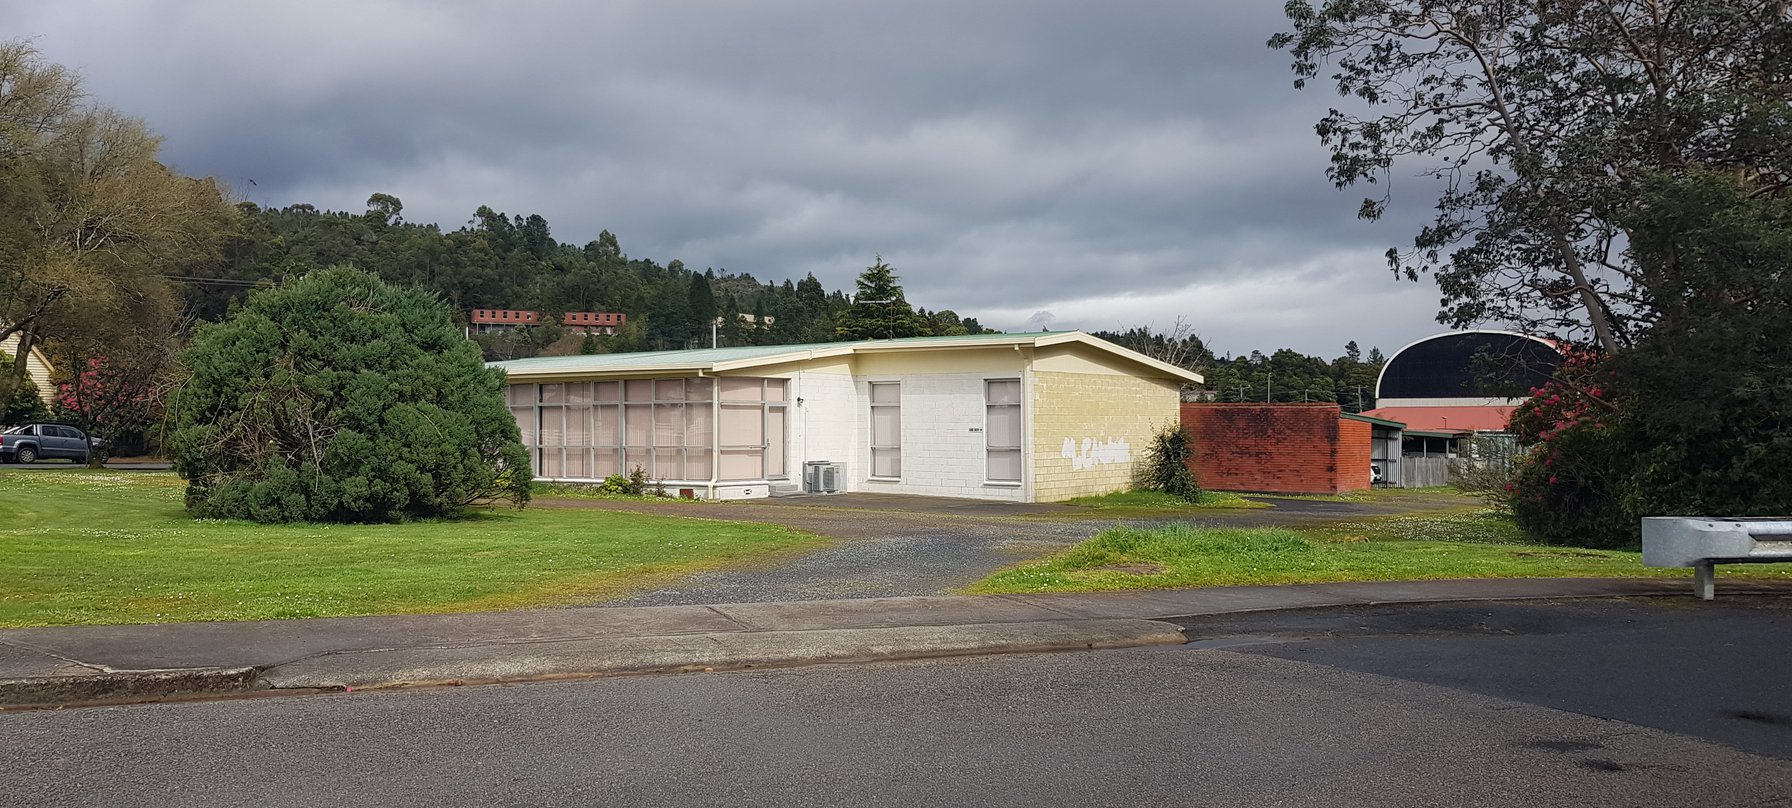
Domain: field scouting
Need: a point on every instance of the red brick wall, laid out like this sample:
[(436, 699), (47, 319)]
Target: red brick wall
[(1355, 441), (1279, 448)]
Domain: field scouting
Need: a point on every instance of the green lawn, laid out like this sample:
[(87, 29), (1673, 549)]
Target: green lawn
[(1161, 500), (1459, 544), (115, 547)]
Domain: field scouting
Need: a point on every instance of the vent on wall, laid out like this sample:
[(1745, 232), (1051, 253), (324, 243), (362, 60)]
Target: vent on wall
[(823, 477)]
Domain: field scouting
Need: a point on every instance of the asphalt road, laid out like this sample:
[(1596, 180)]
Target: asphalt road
[(1482, 704)]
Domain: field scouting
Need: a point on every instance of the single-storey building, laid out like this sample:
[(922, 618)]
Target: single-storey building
[(1035, 417), (1462, 382)]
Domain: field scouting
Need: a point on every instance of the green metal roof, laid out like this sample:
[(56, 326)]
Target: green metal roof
[(1373, 420), (728, 359), (710, 357)]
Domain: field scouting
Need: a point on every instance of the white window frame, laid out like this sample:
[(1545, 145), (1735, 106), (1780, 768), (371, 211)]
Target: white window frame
[(871, 431), (1020, 447)]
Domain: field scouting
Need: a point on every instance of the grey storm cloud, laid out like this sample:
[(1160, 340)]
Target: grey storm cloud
[(1074, 164)]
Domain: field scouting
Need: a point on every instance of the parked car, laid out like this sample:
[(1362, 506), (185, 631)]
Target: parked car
[(28, 443)]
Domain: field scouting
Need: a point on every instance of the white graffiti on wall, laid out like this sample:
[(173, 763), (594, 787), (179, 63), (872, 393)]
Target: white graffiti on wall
[(1091, 452)]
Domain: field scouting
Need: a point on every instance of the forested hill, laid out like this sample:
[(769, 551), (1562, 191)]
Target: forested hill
[(1284, 376), (513, 262)]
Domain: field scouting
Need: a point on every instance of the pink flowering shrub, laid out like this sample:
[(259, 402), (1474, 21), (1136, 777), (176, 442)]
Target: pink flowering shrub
[(1568, 489)]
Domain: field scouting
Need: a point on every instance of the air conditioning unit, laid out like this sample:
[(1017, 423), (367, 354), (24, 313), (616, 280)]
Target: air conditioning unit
[(823, 477)]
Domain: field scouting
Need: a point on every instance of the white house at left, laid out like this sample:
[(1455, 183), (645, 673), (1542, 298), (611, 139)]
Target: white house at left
[(37, 368)]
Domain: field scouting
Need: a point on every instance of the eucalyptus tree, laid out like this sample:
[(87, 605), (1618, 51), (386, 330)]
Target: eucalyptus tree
[(1542, 119), (90, 221)]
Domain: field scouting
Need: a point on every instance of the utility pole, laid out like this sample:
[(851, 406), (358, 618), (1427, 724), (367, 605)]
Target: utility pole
[(1266, 377), (889, 316)]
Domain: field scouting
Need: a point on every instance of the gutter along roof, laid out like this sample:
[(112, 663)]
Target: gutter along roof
[(724, 360)]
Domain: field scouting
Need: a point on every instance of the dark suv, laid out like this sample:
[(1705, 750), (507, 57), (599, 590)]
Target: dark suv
[(27, 443)]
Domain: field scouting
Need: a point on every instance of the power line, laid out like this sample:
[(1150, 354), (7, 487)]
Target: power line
[(212, 281)]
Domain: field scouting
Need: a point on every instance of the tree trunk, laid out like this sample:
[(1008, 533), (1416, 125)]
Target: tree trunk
[(13, 379)]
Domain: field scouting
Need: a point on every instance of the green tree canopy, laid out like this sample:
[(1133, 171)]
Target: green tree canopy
[(340, 398), (1539, 118), (879, 309)]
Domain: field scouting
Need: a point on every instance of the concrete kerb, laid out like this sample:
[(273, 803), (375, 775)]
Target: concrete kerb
[(360, 653), (705, 652), (124, 687)]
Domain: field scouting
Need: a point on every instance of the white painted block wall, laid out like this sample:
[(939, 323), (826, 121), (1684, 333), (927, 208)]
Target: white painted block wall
[(823, 426), (943, 449)]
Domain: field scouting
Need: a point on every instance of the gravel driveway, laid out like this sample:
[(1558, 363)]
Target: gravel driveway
[(890, 546)]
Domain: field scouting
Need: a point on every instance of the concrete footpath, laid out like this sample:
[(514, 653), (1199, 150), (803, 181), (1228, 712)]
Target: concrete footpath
[(80, 665)]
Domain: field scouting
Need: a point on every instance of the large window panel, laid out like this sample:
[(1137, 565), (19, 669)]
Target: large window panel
[(668, 424), (774, 443), (606, 462), (578, 426), (886, 430), (696, 464), (553, 426), (1002, 430), (638, 457), (668, 464), (586, 430), (638, 419), (578, 463), (698, 429), (735, 389), (607, 426), (743, 426), (743, 464)]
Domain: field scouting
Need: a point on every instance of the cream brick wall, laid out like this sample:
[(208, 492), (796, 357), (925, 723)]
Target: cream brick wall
[(1103, 423)]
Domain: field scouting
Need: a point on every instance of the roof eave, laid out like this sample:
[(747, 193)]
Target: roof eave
[(1067, 337)]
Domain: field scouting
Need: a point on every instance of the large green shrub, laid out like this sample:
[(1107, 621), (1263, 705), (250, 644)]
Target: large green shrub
[(339, 398), (1695, 419), (1167, 465)]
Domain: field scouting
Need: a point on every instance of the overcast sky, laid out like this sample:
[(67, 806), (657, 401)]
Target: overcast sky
[(1067, 165)]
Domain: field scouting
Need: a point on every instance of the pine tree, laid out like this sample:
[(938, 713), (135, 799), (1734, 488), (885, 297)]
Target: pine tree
[(879, 309)]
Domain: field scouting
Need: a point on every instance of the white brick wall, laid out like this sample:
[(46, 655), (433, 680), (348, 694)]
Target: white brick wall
[(823, 426), (941, 454)]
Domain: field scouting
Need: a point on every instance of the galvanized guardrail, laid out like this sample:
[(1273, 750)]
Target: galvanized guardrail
[(1702, 543)]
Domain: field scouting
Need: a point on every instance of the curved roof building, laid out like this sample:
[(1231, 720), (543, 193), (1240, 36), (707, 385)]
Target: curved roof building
[(1463, 381)]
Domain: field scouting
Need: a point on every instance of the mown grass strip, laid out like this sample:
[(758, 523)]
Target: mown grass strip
[(1471, 544), (116, 547)]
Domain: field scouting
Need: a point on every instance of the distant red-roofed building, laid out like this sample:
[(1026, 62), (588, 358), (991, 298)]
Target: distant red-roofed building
[(595, 322), (489, 320), (1464, 384)]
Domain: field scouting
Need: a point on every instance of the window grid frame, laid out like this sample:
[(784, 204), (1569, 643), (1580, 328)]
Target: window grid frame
[(871, 437)]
